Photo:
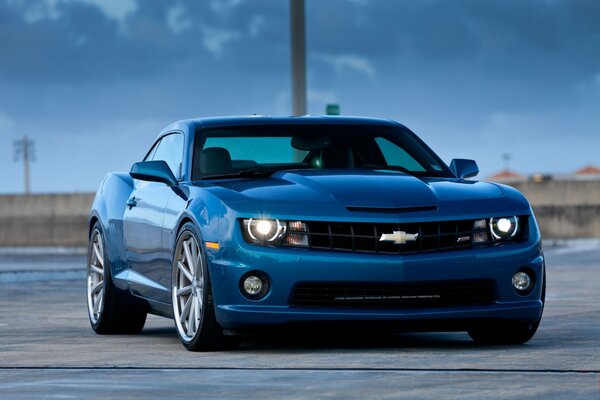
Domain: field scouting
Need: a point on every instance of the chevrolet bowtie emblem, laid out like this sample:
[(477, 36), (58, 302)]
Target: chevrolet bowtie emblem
[(399, 237)]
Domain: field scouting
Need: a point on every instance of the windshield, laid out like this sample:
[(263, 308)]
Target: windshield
[(260, 149)]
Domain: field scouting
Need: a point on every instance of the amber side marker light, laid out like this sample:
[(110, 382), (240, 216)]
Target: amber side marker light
[(212, 245)]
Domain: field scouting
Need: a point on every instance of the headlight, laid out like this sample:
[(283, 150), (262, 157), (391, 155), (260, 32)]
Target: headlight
[(274, 232), (264, 230), (504, 227)]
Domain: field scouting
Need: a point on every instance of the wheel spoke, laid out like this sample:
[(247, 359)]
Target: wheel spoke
[(194, 260), (99, 299), (97, 253), (97, 270), (185, 312), (184, 290), (197, 314), (190, 322), (185, 271), (188, 255), (96, 288)]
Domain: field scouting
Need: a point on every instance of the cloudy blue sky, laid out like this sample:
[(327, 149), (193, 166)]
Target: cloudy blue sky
[(94, 81)]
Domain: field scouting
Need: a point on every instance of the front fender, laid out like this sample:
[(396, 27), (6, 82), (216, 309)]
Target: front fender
[(108, 209)]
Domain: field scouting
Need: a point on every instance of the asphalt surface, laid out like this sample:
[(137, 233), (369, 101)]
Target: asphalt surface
[(48, 350)]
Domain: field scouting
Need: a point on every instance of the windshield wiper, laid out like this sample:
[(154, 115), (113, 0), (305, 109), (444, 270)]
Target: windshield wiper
[(254, 171)]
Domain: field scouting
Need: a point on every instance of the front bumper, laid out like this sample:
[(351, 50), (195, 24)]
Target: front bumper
[(288, 267)]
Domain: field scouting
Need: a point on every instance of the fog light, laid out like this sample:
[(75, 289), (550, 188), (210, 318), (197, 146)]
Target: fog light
[(254, 285), (521, 281)]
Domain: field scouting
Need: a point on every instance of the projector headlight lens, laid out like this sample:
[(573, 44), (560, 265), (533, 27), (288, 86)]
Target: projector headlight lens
[(272, 232), (265, 230), (504, 227)]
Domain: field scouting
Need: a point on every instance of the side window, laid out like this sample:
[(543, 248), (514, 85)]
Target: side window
[(151, 152), (397, 156), (170, 150)]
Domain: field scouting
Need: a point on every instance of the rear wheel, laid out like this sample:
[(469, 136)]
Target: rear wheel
[(193, 306), (107, 312)]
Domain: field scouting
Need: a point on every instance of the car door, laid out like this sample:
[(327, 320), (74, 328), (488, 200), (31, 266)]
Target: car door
[(149, 261)]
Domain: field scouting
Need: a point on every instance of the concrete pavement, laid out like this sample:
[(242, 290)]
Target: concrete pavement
[(47, 349)]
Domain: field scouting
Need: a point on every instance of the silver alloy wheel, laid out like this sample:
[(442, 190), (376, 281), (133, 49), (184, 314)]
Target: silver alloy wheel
[(188, 287), (95, 277)]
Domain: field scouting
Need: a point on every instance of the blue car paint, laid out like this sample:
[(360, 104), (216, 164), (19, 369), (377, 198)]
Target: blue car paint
[(140, 243)]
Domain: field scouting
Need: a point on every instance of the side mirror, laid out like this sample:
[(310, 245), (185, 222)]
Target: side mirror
[(463, 168), (153, 171)]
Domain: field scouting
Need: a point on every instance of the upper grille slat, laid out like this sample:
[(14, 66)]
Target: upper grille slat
[(363, 237)]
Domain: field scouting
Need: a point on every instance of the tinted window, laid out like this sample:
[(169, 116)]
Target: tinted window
[(231, 150), (170, 150), (152, 151), (261, 150), (397, 156)]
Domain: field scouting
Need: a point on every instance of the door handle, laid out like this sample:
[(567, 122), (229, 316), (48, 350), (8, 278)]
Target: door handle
[(132, 202)]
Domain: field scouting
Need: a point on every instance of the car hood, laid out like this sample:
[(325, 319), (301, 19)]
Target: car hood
[(330, 191)]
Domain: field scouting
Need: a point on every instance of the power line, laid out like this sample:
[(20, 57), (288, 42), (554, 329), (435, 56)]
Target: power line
[(25, 150)]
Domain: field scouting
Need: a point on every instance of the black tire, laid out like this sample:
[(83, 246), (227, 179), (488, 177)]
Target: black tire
[(507, 332), (114, 316), (504, 333), (208, 335)]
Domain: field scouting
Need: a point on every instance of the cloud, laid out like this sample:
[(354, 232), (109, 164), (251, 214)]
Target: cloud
[(7, 124), (480, 68), (178, 19), (115, 9), (256, 25), (215, 39), (35, 11), (224, 7), (344, 62)]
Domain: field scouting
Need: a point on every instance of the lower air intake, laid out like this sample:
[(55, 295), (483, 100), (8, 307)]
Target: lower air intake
[(396, 295)]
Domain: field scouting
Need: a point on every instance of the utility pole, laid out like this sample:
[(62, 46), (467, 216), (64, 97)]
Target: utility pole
[(25, 150), (298, 50), (506, 157)]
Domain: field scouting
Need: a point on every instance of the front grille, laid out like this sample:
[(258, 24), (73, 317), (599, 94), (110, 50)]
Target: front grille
[(365, 237), (397, 295)]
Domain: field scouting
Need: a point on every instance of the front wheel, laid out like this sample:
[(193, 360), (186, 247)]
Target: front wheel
[(509, 332), (193, 306), (504, 333)]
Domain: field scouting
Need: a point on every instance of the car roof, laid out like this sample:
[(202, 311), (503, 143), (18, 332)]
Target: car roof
[(213, 122)]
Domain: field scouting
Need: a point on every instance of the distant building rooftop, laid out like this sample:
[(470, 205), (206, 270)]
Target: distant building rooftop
[(506, 176), (588, 170)]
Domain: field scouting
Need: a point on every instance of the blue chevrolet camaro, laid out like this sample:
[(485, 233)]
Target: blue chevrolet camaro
[(229, 225)]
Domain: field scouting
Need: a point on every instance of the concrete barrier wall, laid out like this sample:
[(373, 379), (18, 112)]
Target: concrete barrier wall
[(565, 209), (561, 193), (45, 219)]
